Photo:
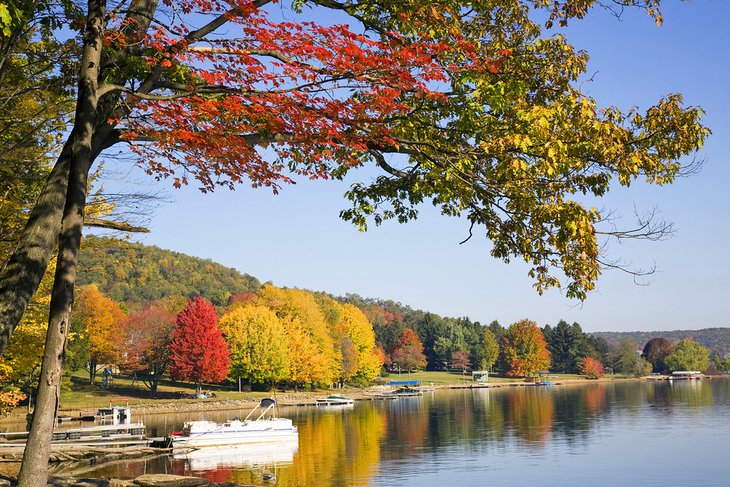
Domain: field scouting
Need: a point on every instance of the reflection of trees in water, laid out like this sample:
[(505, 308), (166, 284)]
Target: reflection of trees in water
[(529, 414), (577, 408), (674, 395), (336, 448), (408, 426), (334, 445)]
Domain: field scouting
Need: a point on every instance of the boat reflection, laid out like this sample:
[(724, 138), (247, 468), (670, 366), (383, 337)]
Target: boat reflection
[(276, 453)]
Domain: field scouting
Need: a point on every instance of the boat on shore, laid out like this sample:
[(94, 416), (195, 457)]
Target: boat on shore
[(264, 428)]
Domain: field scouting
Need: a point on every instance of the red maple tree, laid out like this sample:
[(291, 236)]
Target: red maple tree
[(198, 352), (408, 352), (591, 368), (146, 344), (461, 360)]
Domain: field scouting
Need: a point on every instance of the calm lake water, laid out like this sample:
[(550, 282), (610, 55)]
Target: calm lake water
[(619, 434)]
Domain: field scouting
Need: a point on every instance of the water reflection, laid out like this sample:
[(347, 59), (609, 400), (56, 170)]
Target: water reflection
[(468, 432), (241, 463)]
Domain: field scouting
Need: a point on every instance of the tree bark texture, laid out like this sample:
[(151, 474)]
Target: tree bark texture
[(33, 470), (25, 267)]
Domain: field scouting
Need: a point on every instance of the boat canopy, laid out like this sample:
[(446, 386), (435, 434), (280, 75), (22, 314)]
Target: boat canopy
[(264, 406), (265, 403), (404, 383)]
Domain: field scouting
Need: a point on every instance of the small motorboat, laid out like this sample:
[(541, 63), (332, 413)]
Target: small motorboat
[(407, 391), (264, 428), (335, 400)]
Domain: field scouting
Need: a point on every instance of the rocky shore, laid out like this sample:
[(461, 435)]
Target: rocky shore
[(148, 480)]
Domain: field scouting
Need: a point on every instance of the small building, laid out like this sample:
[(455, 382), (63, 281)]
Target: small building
[(480, 376)]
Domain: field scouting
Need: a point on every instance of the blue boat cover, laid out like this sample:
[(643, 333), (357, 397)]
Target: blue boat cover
[(403, 383)]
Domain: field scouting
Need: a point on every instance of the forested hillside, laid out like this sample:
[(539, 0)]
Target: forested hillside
[(716, 339), (127, 271), (134, 272)]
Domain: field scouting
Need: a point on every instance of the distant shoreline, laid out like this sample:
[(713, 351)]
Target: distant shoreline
[(306, 398)]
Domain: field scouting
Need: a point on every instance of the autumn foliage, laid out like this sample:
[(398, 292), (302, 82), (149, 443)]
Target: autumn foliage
[(300, 337), (591, 368), (655, 352), (460, 360), (101, 317), (408, 353), (198, 352), (525, 350), (146, 340)]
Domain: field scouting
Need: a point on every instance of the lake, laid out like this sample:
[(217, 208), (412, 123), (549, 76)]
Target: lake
[(651, 433)]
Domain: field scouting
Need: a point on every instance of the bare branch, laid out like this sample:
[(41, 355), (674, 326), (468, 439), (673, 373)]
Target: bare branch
[(114, 225)]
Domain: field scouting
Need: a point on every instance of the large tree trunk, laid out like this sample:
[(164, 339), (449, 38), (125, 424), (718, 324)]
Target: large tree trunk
[(25, 267), (33, 470), (22, 273)]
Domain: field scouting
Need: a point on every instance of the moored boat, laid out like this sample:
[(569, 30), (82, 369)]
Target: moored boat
[(407, 391), (335, 400), (686, 375), (261, 429)]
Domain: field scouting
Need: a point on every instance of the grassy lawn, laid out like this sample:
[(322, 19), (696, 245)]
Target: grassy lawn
[(82, 395)]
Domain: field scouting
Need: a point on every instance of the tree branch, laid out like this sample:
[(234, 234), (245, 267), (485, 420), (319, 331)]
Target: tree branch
[(114, 225)]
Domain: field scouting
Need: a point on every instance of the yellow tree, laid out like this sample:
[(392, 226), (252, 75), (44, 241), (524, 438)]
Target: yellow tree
[(525, 349), (99, 316), (357, 333), (258, 344), (312, 353)]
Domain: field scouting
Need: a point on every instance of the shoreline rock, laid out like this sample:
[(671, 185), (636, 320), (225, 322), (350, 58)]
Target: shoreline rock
[(147, 480)]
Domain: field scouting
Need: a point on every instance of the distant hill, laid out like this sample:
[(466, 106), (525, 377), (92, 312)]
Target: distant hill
[(127, 271), (716, 339)]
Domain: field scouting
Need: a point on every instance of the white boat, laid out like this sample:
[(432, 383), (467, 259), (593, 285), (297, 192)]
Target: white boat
[(260, 430), (686, 375), (335, 400)]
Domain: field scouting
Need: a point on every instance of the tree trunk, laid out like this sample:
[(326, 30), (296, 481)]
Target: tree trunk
[(92, 370), (22, 273), (33, 470), (25, 267)]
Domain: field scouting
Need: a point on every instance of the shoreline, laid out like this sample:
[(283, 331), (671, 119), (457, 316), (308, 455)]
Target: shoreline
[(302, 399)]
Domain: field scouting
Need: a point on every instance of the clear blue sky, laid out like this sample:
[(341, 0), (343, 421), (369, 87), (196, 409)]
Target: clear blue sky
[(296, 239)]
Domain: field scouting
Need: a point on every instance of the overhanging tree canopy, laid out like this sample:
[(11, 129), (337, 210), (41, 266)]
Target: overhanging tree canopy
[(466, 104)]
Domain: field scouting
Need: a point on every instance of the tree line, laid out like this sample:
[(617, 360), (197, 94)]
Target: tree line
[(274, 337)]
